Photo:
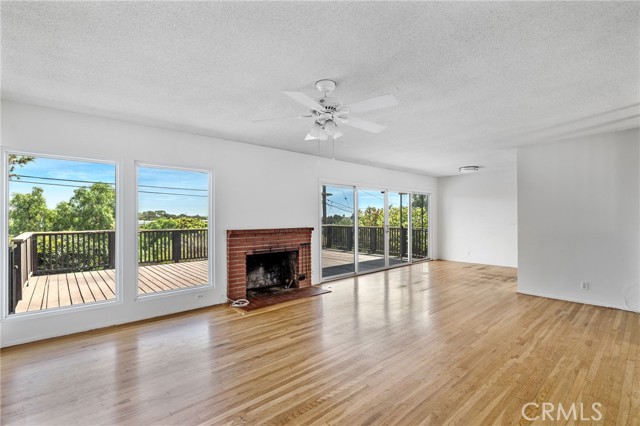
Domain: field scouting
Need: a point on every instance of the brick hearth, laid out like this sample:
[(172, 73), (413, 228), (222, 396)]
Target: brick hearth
[(241, 243)]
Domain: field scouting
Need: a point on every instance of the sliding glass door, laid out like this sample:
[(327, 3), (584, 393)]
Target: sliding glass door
[(419, 226), (368, 229), (398, 227), (338, 230), (372, 246)]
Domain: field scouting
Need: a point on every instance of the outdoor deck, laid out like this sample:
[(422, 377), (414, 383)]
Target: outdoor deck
[(76, 288), (337, 262)]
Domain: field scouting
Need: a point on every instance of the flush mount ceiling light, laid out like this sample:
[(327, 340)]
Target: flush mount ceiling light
[(468, 169)]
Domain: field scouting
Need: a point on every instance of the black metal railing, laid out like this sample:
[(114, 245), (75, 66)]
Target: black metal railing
[(371, 240)]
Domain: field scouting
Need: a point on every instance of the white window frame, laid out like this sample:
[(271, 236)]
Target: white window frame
[(4, 235), (210, 230)]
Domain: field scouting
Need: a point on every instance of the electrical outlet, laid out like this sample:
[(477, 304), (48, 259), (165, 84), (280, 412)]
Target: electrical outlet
[(584, 285), (199, 296)]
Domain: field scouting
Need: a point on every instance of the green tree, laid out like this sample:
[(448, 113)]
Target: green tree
[(178, 223), (152, 215), (28, 212), (17, 160), (419, 211), (395, 214), (91, 208), (62, 217), (371, 216), (337, 219)]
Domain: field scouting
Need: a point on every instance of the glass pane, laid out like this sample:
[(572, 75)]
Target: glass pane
[(420, 226), (370, 229), (173, 216), (398, 228), (62, 242), (338, 231)]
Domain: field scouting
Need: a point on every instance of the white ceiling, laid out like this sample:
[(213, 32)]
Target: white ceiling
[(474, 79)]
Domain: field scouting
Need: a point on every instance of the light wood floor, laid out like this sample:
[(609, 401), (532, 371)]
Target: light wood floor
[(438, 343), (76, 288)]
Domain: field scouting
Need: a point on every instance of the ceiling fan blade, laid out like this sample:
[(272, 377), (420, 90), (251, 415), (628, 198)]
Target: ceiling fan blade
[(363, 124), (305, 100), (373, 103), (281, 118)]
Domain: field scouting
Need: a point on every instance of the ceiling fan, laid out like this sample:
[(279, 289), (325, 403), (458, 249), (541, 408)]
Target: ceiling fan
[(328, 112)]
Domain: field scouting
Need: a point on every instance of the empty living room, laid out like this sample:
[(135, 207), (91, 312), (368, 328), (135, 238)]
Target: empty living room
[(320, 213)]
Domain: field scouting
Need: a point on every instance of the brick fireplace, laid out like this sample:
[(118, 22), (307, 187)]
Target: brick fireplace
[(293, 243)]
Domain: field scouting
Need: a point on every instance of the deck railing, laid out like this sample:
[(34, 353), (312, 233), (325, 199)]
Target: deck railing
[(45, 253), (172, 245), (371, 240)]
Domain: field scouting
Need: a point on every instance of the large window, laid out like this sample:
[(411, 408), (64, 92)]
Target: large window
[(173, 223), (62, 239)]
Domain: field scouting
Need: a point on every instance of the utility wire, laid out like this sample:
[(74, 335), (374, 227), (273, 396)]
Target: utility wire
[(112, 189), (52, 184), (59, 179), (335, 203), (107, 183), (172, 193), (172, 187), (340, 208)]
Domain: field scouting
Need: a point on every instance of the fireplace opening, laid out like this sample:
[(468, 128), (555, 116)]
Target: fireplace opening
[(272, 273)]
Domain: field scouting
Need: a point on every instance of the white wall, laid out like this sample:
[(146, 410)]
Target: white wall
[(579, 218), (478, 218), (255, 187)]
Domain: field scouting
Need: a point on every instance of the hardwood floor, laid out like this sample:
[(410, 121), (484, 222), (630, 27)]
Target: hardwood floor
[(437, 343)]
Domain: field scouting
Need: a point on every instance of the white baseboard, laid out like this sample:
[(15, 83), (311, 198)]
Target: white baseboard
[(575, 300)]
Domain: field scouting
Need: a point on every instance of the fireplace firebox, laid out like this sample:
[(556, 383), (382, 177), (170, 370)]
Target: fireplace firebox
[(271, 271)]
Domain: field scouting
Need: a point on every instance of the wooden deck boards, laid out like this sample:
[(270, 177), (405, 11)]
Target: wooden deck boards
[(337, 262), (76, 288)]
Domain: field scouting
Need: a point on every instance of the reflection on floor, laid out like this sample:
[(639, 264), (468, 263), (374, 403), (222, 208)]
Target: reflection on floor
[(273, 295)]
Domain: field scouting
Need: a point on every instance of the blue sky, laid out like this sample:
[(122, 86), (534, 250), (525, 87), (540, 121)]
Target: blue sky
[(340, 201), (174, 191), (58, 173), (179, 191)]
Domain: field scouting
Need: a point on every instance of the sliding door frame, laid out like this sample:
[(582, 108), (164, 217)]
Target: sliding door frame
[(386, 190)]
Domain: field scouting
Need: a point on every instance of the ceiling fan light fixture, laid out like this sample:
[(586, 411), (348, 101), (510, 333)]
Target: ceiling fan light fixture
[(330, 127), (468, 169), (328, 112), (316, 131)]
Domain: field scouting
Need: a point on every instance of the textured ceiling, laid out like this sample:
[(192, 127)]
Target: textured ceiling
[(474, 79)]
